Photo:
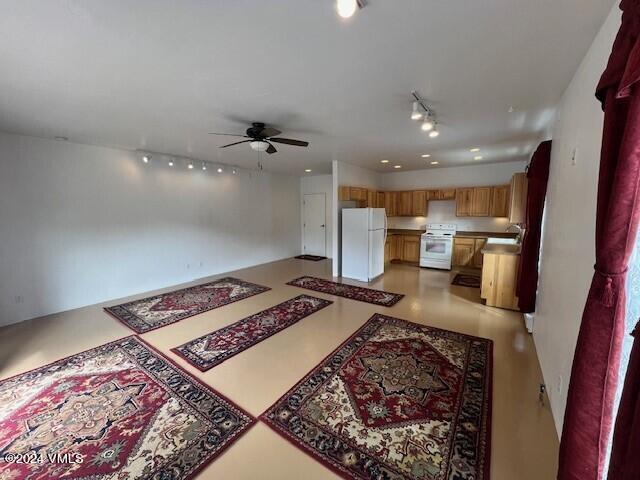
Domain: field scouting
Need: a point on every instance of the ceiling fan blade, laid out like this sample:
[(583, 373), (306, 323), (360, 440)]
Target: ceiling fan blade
[(290, 141), (270, 132), (236, 143), (271, 149), (228, 134)]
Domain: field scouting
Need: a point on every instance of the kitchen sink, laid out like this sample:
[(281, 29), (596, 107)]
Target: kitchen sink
[(502, 241)]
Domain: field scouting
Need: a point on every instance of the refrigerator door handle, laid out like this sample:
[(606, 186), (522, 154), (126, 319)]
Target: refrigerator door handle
[(385, 227)]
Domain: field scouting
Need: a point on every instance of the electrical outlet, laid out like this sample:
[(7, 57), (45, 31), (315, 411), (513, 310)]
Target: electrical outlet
[(559, 384)]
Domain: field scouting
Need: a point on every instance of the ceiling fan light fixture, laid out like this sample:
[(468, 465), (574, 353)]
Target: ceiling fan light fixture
[(259, 146), (346, 8)]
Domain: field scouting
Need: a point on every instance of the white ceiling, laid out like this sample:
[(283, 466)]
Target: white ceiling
[(160, 74)]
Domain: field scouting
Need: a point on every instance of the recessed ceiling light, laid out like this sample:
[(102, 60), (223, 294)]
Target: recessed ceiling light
[(426, 155), (190, 166), (434, 133), (397, 166), (473, 150), (384, 161), (171, 163), (308, 170), (204, 166), (220, 170), (478, 157), (435, 162), (234, 171)]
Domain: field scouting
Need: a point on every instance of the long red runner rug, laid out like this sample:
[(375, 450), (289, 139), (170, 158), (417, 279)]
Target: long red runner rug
[(362, 294), (161, 310), (121, 410), (397, 400), (214, 348)]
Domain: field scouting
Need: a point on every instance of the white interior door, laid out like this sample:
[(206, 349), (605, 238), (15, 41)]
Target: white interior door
[(314, 224)]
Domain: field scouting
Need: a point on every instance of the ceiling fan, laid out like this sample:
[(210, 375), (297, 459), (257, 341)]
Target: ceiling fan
[(261, 138)]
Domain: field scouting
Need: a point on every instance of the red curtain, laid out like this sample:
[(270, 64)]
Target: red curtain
[(537, 179), (594, 377)]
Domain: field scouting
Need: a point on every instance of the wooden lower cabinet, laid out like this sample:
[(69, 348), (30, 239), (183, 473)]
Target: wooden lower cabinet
[(410, 248), (467, 252), (477, 254), (404, 248), (499, 280), (463, 252)]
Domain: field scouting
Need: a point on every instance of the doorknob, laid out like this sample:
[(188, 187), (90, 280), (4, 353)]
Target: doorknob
[(322, 225)]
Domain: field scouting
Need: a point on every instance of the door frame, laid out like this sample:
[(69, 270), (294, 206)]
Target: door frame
[(304, 203)]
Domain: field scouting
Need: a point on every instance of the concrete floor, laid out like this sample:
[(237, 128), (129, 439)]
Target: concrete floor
[(524, 440)]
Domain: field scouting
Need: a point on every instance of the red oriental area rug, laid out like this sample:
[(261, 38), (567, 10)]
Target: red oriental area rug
[(120, 410), (397, 400), (215, 347), (352, 292), (465, 280), (160, 310)]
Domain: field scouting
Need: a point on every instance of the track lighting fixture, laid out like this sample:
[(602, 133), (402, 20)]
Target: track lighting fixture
[(190, 166), (171, 163), (416, 114), (204, 166), (422, 111), (146, 158)]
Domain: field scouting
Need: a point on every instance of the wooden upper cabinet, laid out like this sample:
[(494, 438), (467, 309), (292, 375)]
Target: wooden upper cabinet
[(447, 194), (518, 198), (481, 203), (358, 193), (464, 200), (404, 205), (433, 195), (379, 199), (500, 201), (372, 199), (390, 203), (344, 193), (419, 203)]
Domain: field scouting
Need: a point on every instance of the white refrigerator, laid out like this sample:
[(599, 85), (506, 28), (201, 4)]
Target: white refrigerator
[(364, 232)]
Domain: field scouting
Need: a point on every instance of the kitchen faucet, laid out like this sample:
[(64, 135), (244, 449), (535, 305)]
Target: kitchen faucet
[(520, 231)]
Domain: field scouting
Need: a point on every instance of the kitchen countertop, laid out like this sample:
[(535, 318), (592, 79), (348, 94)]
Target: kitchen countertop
[(462, 233), (501, 249), (404, 231)]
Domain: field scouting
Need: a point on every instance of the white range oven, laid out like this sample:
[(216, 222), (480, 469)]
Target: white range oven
[(436, 246)]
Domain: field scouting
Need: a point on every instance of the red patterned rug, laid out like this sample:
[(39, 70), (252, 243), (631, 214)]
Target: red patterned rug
[(396, 400), (313, 258), (118, 411), (161, 310), (368, 295), (215, 347), (465, 280)]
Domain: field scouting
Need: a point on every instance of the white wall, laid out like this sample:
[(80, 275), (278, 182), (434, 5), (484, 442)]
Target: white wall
[(83, 224), (568, 250), (319, 184), (445, 211)]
